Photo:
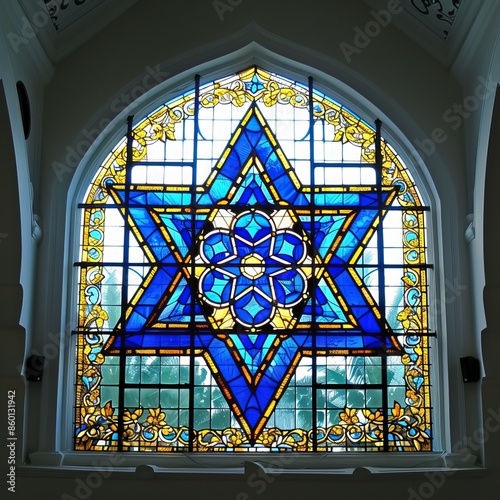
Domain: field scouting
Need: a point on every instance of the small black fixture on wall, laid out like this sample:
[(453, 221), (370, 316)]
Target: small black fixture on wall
[(471, 371)]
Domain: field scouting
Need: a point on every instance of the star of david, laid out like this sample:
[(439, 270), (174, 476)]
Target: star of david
[(255, 274)]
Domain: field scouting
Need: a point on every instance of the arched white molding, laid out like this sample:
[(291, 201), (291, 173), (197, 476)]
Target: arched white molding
[(11, 290), (436, 191), (441, 190)]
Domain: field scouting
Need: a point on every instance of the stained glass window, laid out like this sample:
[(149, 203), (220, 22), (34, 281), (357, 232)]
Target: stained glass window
[(253, 276)]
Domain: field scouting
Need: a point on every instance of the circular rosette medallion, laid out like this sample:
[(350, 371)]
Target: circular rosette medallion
[(253, 269)]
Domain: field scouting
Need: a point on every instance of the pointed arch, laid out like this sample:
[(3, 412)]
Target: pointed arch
[(246, 243)]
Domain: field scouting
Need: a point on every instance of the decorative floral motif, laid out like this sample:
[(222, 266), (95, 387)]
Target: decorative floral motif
[(156, 418), (234, 438), (131, 425), (96, 316), (98, 423), (406, 431)]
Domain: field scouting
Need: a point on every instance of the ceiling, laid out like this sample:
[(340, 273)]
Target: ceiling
[(64, 25), (65, 13), (436, 15), (438, 26)]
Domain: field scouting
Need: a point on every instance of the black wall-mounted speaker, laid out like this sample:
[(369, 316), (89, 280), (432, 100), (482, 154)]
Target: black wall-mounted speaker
[(471, 371)]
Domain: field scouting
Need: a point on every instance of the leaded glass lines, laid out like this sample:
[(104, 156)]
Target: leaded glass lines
[(232, 299)]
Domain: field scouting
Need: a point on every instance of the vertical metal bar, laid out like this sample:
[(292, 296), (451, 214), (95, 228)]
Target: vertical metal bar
[(193, 283), (312, 205), (124, 297), (381, 274)]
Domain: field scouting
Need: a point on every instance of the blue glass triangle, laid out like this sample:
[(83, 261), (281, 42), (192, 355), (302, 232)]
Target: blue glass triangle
[(253, 348), (328, 309), (252, 190), (326, 230), (149, 230), (147, 303), (254, 139), (179, 227), (178, 308), (253, 400)]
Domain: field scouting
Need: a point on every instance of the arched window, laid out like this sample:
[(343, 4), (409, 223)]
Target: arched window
[(253, 276)]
